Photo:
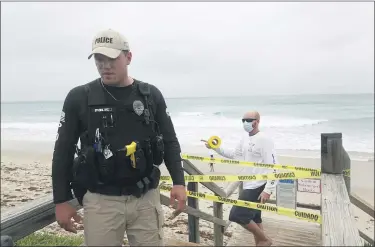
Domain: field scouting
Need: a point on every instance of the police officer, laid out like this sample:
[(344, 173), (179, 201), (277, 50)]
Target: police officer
[(125, 133)]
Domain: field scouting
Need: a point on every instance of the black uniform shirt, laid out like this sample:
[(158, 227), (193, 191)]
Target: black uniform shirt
[(73, 122)]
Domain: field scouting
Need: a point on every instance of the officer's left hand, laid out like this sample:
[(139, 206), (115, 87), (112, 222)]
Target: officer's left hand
[(178, 193), (264, 196)]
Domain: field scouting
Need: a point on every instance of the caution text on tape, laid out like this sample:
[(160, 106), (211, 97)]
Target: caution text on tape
[(312, 217), (234, 178), (251, 164)]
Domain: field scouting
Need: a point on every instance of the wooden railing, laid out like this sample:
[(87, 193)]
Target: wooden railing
[(37, 214), (193, 221), (338, 224)]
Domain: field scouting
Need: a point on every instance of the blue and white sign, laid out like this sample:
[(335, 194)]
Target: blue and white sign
[(286, 193)]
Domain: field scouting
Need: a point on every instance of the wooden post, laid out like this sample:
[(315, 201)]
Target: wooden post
[(240, 188), (218, 229), (194, 235), (338, 223), (334, 157), (331, 153), (6, 241)]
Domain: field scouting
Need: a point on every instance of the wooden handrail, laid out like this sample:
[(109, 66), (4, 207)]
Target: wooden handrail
[(34, 215), (219, 229), (193, 170), (338, 223), (362, 204)]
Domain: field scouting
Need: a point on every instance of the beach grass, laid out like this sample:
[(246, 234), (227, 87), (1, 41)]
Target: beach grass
[(49, 239)]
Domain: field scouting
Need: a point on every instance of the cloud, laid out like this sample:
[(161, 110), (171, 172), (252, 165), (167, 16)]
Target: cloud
[(205, 49)]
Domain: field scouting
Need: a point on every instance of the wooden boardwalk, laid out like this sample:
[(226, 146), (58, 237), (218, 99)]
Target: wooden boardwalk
[(283, 231), (335, 211)]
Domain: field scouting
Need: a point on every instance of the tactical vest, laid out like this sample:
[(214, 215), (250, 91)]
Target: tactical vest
[(114, 124)]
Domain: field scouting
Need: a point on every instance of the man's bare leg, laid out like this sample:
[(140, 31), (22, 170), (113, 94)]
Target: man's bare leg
[(255, 237), (260, 225), (260, 238)]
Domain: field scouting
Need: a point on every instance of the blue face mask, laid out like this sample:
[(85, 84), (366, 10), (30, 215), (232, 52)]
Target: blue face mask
[(248, 126)]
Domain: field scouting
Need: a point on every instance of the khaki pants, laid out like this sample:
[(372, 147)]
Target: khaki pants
[(107, 218)]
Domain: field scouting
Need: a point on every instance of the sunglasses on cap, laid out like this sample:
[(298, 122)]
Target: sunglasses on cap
[(249, 120)]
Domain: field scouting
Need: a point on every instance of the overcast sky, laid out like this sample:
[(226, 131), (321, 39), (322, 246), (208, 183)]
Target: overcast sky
[(203, 49)]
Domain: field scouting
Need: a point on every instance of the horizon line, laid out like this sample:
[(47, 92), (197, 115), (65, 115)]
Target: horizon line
[(200, 97)]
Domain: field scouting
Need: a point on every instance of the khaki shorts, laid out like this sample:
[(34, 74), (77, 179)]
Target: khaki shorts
[(107, 218)]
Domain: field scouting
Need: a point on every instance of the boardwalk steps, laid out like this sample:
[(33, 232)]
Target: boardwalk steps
[(283, 231)]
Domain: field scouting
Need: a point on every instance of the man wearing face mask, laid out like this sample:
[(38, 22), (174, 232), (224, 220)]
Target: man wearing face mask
[(255, 146)]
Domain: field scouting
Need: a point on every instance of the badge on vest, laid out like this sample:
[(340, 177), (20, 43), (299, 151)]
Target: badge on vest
[(107, 152), (138, 107)]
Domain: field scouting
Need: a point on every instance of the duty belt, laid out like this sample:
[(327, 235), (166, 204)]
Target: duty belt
[(111, 190), (136, 190)]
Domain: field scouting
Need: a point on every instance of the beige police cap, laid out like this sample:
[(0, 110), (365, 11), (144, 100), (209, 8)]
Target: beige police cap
[(109, 43)]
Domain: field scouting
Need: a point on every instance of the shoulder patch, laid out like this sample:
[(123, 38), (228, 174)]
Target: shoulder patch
[(62, 117)]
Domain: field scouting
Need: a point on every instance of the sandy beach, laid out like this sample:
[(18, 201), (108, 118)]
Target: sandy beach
[(27, 175)]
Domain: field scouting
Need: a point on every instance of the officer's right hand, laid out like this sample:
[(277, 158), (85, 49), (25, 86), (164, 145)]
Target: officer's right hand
[(64, 214), (206, 143)]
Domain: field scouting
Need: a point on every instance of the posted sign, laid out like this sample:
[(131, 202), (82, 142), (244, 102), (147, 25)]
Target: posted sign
[(286, 193), (309, 185)]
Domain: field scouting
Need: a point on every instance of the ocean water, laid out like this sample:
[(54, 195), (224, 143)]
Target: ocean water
[(294, 122)]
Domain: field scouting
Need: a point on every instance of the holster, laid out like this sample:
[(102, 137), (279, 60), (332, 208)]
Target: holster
[(157, 146), (124, 168), (148, 183), (140, 160), (85, 174), (79, 191), (155, 177), (138, 189)]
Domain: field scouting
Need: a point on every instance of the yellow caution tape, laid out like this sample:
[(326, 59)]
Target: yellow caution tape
[(312, 217), (214, 142), (245, 163), (252, 164), (234, 178)]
